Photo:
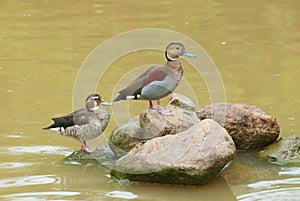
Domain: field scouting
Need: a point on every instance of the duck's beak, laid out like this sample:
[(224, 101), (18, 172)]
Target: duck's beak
[(187, 54), (103, 102)]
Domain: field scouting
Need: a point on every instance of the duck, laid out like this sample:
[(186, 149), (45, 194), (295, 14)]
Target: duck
[(84, 124), (159, 80)]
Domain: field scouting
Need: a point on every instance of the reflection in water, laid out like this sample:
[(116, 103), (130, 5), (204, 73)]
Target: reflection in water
[(121, 194), (255, 45), (284, 189), (27, 181), (284, 193), (12, 165), (39, 195), (289, 171), (42, 150), (274, 183)]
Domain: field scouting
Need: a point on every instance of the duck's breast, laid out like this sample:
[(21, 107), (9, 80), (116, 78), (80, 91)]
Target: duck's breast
[(159, 89)]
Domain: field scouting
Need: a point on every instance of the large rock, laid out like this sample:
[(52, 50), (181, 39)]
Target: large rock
[(249, 126), (151, 124), (193, 156), (283, 151)]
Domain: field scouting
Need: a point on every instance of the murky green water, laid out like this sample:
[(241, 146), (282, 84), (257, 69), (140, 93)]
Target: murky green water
[(254, 44)]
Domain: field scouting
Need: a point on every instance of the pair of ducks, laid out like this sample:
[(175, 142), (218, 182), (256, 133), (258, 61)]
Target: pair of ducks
[(154, 84)]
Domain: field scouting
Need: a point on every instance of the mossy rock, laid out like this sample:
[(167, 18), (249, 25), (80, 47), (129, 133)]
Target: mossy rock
[(283, 151), (102, 155), (166, 176)]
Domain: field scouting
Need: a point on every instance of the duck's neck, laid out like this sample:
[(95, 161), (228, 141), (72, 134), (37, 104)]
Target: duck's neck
[(176, 66)]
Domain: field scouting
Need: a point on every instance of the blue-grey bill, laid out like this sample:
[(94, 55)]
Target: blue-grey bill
[(187, 54), (106, 103)]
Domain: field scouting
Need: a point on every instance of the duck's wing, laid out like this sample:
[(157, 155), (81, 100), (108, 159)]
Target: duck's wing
[(79, 117), (155, 73)]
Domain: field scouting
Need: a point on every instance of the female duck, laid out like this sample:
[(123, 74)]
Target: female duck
[(84, 124)]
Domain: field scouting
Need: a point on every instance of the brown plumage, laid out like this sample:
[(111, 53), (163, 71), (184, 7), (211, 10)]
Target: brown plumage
[(158, 81)]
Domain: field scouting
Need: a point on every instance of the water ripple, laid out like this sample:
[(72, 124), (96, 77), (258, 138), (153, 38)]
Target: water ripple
[(121, 194), (12, 165), (274, 183), (290, 171), (54, 150), (285, 193), (284, 189), (27, 181), (37, 196)]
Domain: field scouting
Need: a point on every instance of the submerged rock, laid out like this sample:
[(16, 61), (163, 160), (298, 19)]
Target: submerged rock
[(151, 124), (283, 151), (193, 156), (249, 126), (102, 155)]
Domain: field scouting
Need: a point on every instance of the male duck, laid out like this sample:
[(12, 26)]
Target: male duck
[(84, 124), (159, 80)]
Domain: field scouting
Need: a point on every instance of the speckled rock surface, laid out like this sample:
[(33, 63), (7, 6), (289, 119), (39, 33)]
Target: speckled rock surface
[(151, 124), (194, 156), (249, 126)]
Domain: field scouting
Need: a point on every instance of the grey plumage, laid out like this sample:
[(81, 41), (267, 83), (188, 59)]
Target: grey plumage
[(83, 124)]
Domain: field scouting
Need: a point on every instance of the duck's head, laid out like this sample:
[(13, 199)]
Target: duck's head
[(94, 101), (175, 50)]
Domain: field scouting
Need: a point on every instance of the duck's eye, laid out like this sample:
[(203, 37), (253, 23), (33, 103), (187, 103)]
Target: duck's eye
[(177, 48)]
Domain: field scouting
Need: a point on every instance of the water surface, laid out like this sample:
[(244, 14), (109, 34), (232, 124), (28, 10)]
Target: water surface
[(254, 44)]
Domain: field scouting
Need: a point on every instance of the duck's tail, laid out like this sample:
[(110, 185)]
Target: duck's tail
[(54, 125)]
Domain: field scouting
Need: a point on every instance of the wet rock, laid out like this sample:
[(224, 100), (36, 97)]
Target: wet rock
[(151, 124), (283, 151), (193, 156), (249, 126), (182, 101), (103, 155), (125, 137), (154, 124)]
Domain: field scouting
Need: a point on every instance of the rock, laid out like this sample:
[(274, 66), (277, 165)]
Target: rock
[(102, 155), (125, 137), (151, 124), (249, 126), (283, 151), (154, 124), (182, 101), (193, 156)]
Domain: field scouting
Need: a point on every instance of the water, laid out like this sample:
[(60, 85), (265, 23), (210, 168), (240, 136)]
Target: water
[(255, 46)]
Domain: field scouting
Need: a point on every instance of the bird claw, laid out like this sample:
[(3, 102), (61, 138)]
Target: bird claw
[(163, 111)]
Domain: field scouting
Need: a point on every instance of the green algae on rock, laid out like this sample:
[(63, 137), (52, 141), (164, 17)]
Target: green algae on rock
[(283, 151), (102, 155)]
